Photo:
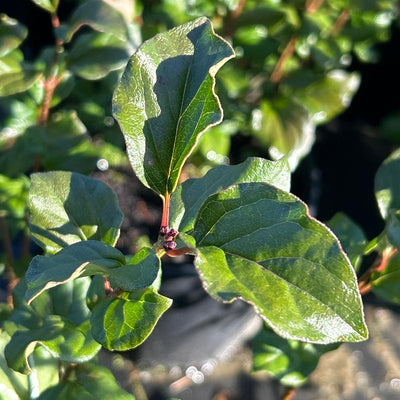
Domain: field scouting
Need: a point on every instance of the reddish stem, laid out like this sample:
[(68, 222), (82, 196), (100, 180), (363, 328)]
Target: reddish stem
[(289, 394), (179, 252), (49, 87), (165, 214), (364, 284), (238, 10), (277, 73), (313, 5), (340, 22)]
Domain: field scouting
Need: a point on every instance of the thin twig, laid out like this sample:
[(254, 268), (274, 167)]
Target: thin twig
[(340, 22), (313, 5), (235, 14), (230, 25), (289, 394), (277, 73), (52, 81)]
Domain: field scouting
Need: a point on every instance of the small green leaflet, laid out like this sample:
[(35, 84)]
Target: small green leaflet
[(80, 259), (91, 258), (68, 207), (387, 187), (92, 382), (286, 127), (125, 322), (12, 33), (49, 5), (350, 235), (386, 284), (61, 338), (165, 100), (189, 197), (258, 243), (100, 16), (290, 361)]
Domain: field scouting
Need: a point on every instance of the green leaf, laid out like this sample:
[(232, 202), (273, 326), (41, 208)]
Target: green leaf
[(92, 382), (387, 188), (139, 273), (350, 235), (125, 322), (68, 207), (80, 259), (69, 300), (60, 337), (13, 77), (13, 195), (393, 229), (64, 137), (94, 55), (13, 385), (287, 127), (12, 34), (386, 284), (100, 16), (48, 5), (165, 100), (190, 196), (328, 97), (258, 243), (290, 361)]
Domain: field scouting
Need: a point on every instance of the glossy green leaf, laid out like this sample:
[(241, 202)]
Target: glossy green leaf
[(393, 229), (92, 382), (139, 273), (386, 284), (190, 196), (80, 259), (100, 16), (48, 5), (68, 207), (12, 33), (94, 55), (328, 97), (165, 100), (387, 188), (125, 322), (61, 338), (258, 243), (290, 361), (286, 126), (13, 385), (13, 77), (350, 235), (69, 300)]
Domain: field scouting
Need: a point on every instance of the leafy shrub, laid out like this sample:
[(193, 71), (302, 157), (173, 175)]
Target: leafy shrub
[(250, 237)]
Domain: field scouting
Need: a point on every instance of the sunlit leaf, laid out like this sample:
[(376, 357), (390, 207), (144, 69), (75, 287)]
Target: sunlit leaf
[(166, 99), (124, 322), (258, 243), (68, 207)]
